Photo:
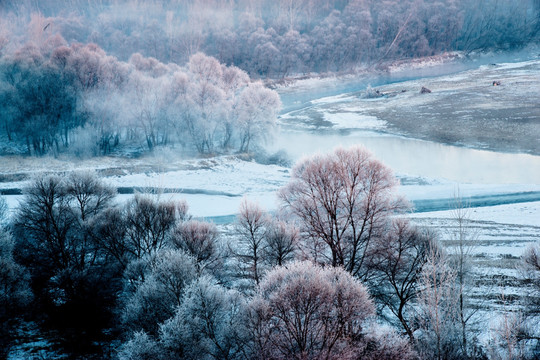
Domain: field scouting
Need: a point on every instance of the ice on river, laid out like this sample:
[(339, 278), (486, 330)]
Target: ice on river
[(353, 120)]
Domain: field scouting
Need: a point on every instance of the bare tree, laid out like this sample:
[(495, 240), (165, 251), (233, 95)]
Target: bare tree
[(70, 271), (149, 224), (142, 226), (55, 215), (45, 225), (281, 243), (344, 199), (109, 231), (398, 261), (251, 227), (199, 239), (463, 240), (88, 197), (437, 309)]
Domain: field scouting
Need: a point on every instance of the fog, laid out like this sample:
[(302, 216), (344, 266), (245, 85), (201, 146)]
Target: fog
[(116, 78)]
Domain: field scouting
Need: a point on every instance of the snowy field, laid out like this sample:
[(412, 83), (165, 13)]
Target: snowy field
[(215, 187), (500, 234)]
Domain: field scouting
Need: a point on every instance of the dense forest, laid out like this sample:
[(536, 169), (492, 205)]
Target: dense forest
[(277, 38), (93, 77)]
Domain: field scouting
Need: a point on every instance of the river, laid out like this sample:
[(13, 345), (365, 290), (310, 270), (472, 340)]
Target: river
[(421, 158), (409, 156)]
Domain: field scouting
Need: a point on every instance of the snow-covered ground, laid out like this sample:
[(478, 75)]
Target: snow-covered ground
[(215, 187), (525, 214), (498, 237), (212, 187)]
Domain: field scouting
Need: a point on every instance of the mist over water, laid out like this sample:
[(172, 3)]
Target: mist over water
[(422, 158)]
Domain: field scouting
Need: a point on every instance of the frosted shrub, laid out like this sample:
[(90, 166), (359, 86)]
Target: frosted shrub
[(155, 287), (207, 325), (305, 311)]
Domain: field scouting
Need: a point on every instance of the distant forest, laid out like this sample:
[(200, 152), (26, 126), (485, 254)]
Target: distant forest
[(97, 77), (274, 38)]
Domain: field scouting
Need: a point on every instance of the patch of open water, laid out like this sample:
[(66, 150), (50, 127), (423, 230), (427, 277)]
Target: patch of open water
[(421, 158)]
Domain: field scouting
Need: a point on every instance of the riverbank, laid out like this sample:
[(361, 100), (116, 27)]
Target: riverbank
[(462, 109)]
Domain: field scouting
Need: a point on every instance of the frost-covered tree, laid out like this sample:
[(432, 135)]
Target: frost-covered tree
[(530, 269), (437, 309), (209, 324), (510, 336), (233, 81), (383, 343), (343, 200), (206, 102), (141, 346), (273, 38), (154, 289), (42, 102), (251, 227), (528, 333), (257, 111), (4, 212), (304, 311), (60, 96), (200, 240), (460, 259)]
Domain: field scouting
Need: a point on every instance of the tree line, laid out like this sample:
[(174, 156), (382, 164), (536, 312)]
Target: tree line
[(58, 98), (268, 38), (338, 273)]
